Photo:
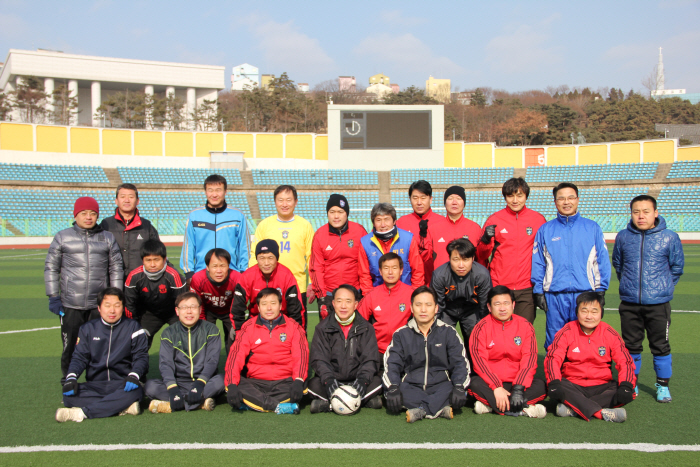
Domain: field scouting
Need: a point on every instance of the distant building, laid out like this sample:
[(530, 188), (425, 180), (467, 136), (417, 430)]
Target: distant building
[(395, 88), (438, 89), (303, 87), (663, 93), (346, 84), (463, 97), (689, 132), (265, 81), (379, 90), (244, 77), (379, 79)]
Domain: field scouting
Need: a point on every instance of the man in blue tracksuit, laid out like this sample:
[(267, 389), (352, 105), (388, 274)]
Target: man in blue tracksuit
[(569, 256), (648, 259), (214, 225)]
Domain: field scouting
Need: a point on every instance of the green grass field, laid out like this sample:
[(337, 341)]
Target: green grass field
[(30, 394)]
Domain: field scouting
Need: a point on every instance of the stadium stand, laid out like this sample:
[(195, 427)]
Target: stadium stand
[(52, 173), (451, 176), (314, 177), (685, 169), (679, 206), (175, 176), (594, 172)]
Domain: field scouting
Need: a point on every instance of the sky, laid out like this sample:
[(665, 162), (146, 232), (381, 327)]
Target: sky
[(509, 45)]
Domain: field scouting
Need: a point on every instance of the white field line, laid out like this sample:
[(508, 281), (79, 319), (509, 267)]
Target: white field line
[(23, 256), (673, 311), (641, 447), (29, 330)]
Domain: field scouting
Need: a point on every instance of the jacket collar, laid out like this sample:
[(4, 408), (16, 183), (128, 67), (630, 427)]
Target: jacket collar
[(427, 214), (272, 274), (132, 224), (219, 284), (414, 326), (498, 321), (191, 328), (111, 324), (358, 324), (522, 211), (279, 321), (395, 288), (659, 225), (92, 231), (568, 219), (340, 231), (218, 210)]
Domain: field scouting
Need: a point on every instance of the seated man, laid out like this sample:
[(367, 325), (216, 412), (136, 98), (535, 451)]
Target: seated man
[(189, 358), (113, 351), (151, 289), (344, 351), (504, 353), (215, 286), (426, 369), (387, 305), (267, 273), (578, 366), (272, 352)]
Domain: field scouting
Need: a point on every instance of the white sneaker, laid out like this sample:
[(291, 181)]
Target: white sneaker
[(74, 414), (480, 408), (618, 415), (209, 404), (535, 411), (134, 409), (564, 411)]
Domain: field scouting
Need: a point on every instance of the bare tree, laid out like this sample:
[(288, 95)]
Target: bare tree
[(651, 81)]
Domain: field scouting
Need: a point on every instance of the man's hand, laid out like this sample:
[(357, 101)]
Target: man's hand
[(232, 333), (310, 295), (360, 385), (394, 400), (70, 387), (625, 393), (540, 301), (297, 391), (56, 306), (423, 228), (194, 397), (331, 385), (177, 402), (502, 401), (554, 389), (234, 396), (322, 310), (132, 382), (517, 398), (458, 397), (489, 233)]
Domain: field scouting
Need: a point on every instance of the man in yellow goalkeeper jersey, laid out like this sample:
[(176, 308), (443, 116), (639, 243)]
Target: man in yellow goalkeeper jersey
[(293, 233)]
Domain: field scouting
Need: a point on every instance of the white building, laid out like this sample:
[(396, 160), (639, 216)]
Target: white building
[(245, 77), (93, 79)]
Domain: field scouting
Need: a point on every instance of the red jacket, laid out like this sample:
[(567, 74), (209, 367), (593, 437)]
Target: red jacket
[(504, 351), (215, 298), (427, 245), (587, 360), (390, 309), (268, 355), (450, 230), (252, 281), (511, 247), (414, 258), (334, 258)]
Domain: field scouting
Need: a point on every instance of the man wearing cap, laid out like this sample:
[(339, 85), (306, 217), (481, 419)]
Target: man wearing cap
[(334, 253), (455, 226), (82, 261), (268, 272)]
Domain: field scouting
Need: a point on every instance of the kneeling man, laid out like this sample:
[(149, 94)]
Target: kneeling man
[(272, 348), (578, 366), (189, 358), (344, 351), (113, 351), (425, 367)]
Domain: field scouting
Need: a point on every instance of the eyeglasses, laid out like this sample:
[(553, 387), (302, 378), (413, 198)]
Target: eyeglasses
[(570, 198), (188, 308)]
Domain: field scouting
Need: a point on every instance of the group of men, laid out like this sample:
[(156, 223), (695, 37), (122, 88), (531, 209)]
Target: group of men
[(389, 302)]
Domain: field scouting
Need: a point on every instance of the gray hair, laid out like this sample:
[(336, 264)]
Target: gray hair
[(383, 209)]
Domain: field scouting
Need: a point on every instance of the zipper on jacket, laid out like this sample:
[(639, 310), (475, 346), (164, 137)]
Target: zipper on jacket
[(641, 264), (189, 352), (109, 350), (87, 269), (425, 376)]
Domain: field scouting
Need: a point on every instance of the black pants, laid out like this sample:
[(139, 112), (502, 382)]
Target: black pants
[(100, 399), (317, 390), (152, 323), (70, 326), (466, 324), (587, 400), (264, 396), (482, 392), (525, 304), (156, 389), (433, 399), (654, 319), (211, 317)]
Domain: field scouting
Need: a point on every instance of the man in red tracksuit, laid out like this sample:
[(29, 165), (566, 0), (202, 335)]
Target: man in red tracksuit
[(455, 225), (267, 273), (275, 354), (424, 224), (506, 243), (578, 366), (334, 253), (388, 306), (215, 286)]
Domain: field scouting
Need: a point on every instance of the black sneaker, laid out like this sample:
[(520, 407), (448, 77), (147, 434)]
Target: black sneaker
[(320, 406), (374, 403)]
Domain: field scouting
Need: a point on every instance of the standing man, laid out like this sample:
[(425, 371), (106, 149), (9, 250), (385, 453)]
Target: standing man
[(648, 259), (424, 224), (506, 245), (455, 226), (128, 227), (386, 237), (334, 253), (293, 234), (214, 225), (569, 256), (82, 261)]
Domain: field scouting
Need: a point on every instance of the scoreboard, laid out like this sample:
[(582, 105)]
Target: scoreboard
[(386, 130)]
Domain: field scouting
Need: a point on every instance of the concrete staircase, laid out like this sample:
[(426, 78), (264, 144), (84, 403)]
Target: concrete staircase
[(384, 187), (519, 173), (253, 203), (662, 171), (113, 176)]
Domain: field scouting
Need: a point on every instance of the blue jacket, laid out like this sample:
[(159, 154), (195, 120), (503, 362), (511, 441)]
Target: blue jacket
[(570, 255), (401, 246), (109, 352), (209, 228), (648, 263)]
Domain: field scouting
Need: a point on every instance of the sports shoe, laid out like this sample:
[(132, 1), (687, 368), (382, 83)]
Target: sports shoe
[(480, 408), (663, 394), (564, 411), (157, 406), (374, 403), (618, 415), (287, 408), (535, 411), (413, 415), (134, 409), (636, 390), (446, 412), (320, 406), (208, 404), (74, 414)]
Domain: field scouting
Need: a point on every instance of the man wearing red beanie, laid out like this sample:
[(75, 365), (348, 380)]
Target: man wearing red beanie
[(81, 262)]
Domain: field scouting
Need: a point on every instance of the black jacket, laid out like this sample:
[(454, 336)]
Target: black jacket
[(460, 296), (110, 352), (130, 236), (189, 353), (421, 361), (143, 294), (333, 356)]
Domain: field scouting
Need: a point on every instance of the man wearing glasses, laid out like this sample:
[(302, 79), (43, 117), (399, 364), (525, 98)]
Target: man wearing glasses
[(569, 257)]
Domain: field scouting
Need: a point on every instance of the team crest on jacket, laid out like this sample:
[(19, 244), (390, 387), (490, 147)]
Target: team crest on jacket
[(402, 307), (227, 293), (350, 242), (517, 340), (162, 288), (283, 337), (601, 351), (285, 234), (529, 230)]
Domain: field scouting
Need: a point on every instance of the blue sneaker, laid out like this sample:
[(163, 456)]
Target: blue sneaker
[(636, 390), (662, 393), (287, 408)]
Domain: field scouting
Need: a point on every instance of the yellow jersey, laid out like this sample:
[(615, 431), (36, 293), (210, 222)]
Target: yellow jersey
[(294, 238)]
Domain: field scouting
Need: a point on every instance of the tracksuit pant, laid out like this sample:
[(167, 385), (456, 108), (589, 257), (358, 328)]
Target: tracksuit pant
[(433, 399), (317, 390), (71, 321), (156, 389), (525, 304), (100, 399), (152, 323), (482, 392), (655, 320), (467, 322), (264, 396), (587, 400), (561, 308), (211, 317)]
